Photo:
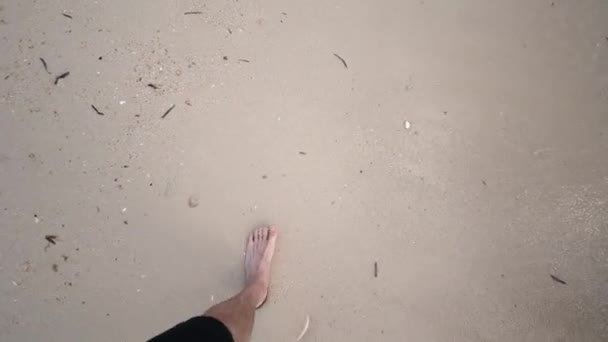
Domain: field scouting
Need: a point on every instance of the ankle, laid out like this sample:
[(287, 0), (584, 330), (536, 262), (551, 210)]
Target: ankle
[(255, 292)]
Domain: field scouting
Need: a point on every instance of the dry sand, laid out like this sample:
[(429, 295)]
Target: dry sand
[(464, 150)]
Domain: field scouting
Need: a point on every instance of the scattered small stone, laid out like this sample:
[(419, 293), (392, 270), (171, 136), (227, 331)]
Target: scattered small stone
[(55, 267), (193, 201)]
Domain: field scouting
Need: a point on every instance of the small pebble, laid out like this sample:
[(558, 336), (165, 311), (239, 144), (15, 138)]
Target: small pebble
[(193, 201)]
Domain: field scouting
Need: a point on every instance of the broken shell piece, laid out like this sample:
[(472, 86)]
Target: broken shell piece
[(304, 329)]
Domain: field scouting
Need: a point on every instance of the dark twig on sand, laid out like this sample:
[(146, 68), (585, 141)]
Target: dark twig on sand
[(193, 12), (342, 60), (153, 86), (375, 269), (556, 279), (244, 60), (167, 112), (46, 67), (67, 15), (51, 239), (97, 110), (64, 75)]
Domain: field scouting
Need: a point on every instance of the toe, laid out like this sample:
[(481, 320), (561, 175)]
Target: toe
[(272, 232), (264, 233)]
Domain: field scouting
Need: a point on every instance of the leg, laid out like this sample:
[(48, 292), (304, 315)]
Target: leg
[(238, 312)]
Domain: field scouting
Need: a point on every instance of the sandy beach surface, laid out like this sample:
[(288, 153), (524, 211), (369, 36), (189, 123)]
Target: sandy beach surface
[(438, 169)]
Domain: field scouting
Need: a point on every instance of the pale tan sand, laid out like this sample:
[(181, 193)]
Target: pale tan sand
[(499, 180)]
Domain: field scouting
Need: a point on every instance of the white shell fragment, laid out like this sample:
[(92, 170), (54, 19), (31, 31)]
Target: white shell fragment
[(304, 329)]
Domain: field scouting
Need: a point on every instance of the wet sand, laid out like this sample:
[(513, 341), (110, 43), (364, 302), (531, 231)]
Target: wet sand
[(461, 147)]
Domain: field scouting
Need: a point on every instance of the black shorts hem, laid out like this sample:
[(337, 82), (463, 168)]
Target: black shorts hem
[(199, 329)]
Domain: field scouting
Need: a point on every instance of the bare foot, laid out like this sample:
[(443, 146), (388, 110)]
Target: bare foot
[(258, 258)]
